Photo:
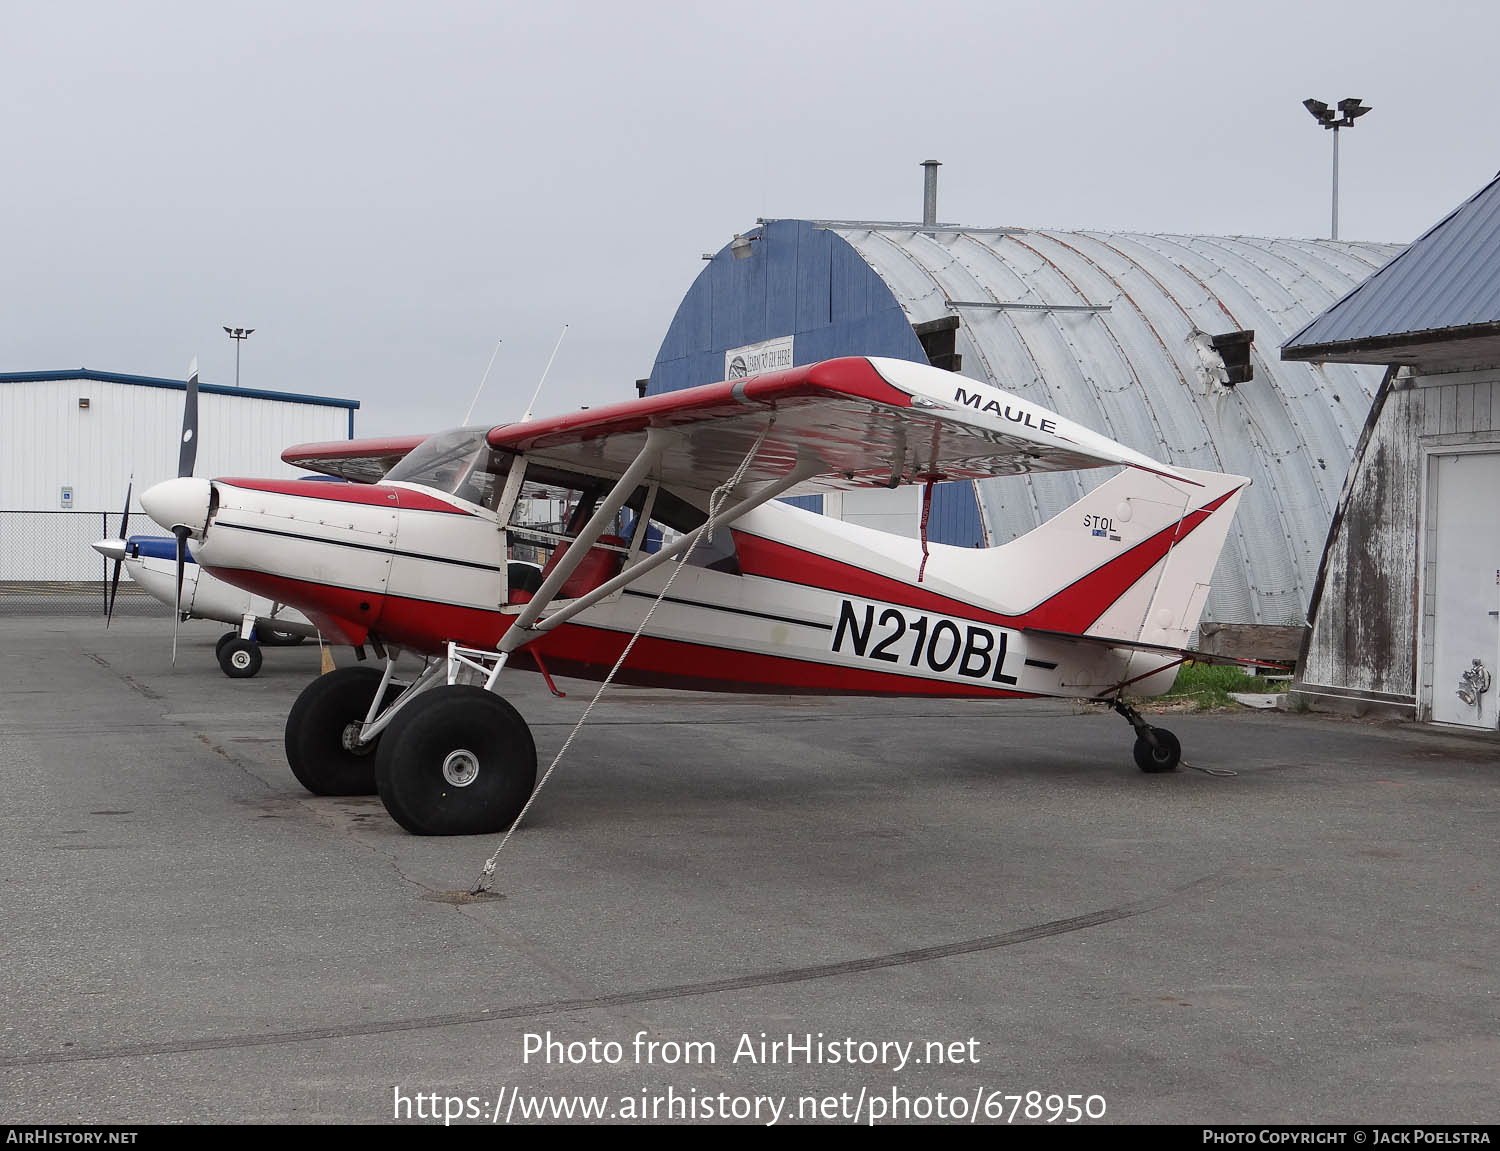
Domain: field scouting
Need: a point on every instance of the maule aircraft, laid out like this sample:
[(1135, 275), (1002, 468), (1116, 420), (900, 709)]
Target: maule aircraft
[(675, 494)]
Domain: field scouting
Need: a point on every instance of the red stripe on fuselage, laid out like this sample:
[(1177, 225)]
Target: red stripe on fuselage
[(589, 652), (1074, 608), (369, 494)]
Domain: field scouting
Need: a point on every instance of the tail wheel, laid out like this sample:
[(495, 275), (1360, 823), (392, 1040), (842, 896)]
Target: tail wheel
[(457, 760), (1165, 756), (321, 727), (239, 658)]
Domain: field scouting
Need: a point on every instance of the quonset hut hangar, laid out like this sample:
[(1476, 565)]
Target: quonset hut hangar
[(70, 441), (1165, 343)]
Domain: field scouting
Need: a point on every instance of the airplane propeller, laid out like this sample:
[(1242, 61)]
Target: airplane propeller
[(187, 456), (114, 581)]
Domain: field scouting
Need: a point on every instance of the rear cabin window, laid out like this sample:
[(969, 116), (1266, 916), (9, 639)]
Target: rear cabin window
[(553, 507), (550, 510), (672, 517)]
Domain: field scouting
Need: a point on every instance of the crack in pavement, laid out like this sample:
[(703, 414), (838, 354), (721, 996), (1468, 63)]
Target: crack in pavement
[(774, 978)]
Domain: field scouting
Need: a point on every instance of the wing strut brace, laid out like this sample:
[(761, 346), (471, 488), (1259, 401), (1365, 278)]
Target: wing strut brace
[(804, 469), (527, 627)]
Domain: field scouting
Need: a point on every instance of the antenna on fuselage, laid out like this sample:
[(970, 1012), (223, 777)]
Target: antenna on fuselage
[(482, 380), (545, 370)]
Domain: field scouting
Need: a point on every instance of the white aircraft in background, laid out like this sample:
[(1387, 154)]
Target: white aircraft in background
[(163, 567), (152, 563)]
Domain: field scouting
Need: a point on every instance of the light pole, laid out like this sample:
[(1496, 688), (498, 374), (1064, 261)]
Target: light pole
[(239, 336), (1351, 110)]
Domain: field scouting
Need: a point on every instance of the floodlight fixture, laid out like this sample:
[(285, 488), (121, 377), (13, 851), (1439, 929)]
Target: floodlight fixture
[(239, 336), (1349, 110), (1321, 111)]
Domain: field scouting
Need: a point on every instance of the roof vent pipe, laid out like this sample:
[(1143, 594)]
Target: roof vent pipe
[(929, 191)]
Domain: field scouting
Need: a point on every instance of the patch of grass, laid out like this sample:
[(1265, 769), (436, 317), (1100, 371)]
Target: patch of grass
[(1209, 686)]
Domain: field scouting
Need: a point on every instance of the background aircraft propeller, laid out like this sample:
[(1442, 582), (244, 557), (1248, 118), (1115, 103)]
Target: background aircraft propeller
[(187, 456), (114, 581)]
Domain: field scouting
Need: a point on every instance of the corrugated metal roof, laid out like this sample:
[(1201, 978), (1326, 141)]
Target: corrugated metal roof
[(1447, 279), (1106, 329), (1109, 329)]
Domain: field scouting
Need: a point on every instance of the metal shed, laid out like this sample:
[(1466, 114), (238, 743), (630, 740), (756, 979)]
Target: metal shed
[(70, 440), (1405, 615), (1155, 340)]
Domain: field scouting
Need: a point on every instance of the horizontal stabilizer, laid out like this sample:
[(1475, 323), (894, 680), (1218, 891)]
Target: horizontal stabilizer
[(1185, 653)]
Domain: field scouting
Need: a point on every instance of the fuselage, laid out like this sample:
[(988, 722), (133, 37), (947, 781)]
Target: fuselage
[(799, 602)]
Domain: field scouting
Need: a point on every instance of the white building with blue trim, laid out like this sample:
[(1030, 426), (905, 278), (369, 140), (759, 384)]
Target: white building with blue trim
[(71, 440)]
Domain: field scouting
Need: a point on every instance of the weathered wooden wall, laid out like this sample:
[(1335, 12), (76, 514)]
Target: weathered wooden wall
[(1367, 607), (1278, 644)]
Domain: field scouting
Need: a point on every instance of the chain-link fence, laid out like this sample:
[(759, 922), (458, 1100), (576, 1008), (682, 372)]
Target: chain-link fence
[(48, 568)]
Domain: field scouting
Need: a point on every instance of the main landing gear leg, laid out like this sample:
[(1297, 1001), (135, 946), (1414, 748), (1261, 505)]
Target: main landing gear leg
[(1156, 749), (323, 745), (448, 756)]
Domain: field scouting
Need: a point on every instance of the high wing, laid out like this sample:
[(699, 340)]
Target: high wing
[(864, 421), (363, 461)]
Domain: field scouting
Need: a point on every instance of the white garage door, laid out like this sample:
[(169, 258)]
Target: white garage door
[(1466, 620)]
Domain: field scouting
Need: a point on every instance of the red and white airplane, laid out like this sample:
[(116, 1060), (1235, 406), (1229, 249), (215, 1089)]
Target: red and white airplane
[(1095, 603)]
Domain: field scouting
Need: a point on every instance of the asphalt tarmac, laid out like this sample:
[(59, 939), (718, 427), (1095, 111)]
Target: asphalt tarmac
[(942, 904)]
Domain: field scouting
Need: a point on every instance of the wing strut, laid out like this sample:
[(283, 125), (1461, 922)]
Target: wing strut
[(516, 637), (608, 507)]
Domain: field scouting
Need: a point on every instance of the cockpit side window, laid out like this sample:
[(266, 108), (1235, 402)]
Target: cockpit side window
[(459, 463), (551, 509)]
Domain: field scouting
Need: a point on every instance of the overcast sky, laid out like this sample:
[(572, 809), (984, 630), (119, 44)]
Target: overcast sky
[(383, 190)]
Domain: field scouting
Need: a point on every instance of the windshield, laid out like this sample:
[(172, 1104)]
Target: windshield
[(453, 462)]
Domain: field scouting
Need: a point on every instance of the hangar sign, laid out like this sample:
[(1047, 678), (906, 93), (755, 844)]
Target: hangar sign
[(751, 360)]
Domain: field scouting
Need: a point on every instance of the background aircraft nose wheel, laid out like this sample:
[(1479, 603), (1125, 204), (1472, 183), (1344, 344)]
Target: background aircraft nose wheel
[(1156, 749), (320, 728), (239, 658), (457, 760), (1165, 756)]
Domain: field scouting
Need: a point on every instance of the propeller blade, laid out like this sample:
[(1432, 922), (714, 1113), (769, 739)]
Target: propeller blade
[(114, 587), (114, 582), (125, 515), (188, 455), (182, 534)]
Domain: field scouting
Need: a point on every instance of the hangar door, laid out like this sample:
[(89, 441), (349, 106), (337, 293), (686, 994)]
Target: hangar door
[(1466, 577)]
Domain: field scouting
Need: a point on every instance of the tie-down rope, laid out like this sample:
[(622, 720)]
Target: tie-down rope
[(715, 506)]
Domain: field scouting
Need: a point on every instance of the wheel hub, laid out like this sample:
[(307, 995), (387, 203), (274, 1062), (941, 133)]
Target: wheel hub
[(240, 659), (350, 739), (461, 768)]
